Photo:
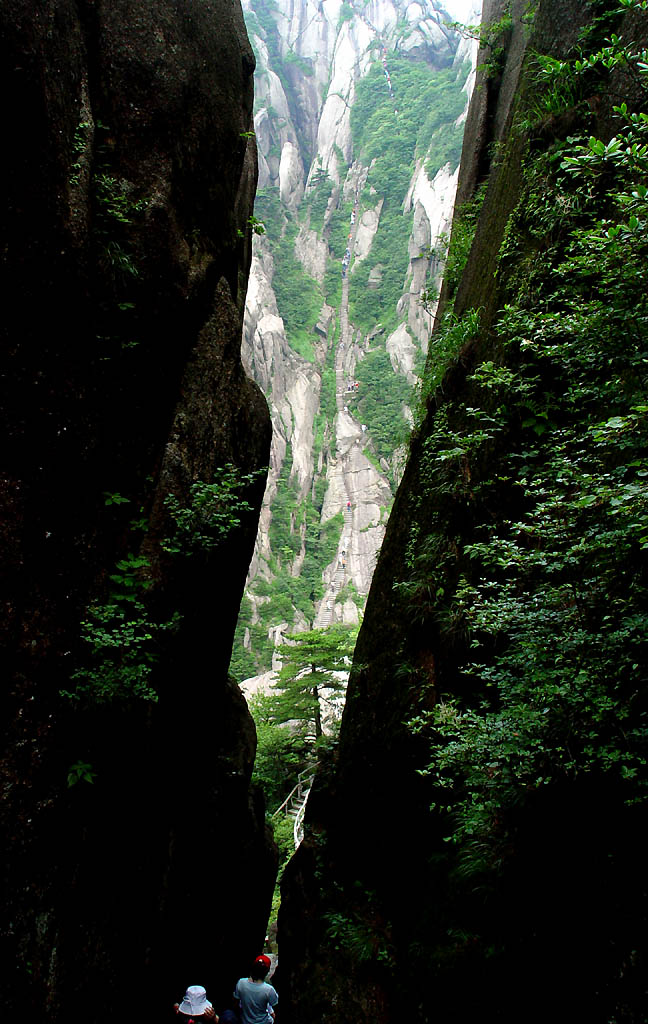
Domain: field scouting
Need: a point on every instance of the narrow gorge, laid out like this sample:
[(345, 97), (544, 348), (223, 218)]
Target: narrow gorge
[(359, 114), (334, 312)]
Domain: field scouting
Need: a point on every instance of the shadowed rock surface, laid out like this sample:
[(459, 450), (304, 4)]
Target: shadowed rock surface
[(374, 902), (128, 180)]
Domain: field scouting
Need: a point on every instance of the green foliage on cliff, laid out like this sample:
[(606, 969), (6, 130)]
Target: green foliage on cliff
[(449, 338), (317, 197), (551, 599), (213, 511), (121, 636), (281, 754), (464, 223), (295, 523), (299, 298), (115, 206), (371, 304), (381, 398), (428, 104), (121, 640)]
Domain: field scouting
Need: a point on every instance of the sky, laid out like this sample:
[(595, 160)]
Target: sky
[(466, 11)]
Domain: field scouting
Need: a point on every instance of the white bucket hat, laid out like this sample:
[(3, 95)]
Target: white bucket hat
[(195, 1001)]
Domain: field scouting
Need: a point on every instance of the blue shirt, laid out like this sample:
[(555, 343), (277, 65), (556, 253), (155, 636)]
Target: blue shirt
[(256, 999)]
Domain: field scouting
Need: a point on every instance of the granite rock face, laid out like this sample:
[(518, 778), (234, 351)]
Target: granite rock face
[(312, 58), (128, 180), (368, 902)]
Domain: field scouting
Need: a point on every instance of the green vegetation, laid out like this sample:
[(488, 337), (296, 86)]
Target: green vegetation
[(346, 13), (81, 771), (115, 208), (304, 66), (122, 638), (317, 197), (491, 36), (213, 511), (381, 398), (120, 634), (287, 719), (299, 298), (285, 540), (358, 932), (80, 143), (281, 753), (426, 101), (244, 664), (446, 343), (550, 602), (377, 304), (464, 224), (428, 104), (294, 522), (333, 284), (338, 229), (310, 674)]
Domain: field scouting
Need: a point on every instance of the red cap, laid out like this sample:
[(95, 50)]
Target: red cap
[(263, 959)]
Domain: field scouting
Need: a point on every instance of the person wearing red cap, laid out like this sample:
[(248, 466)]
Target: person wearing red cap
[(256, 998)]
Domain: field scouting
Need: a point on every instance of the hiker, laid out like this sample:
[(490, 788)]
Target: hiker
[(256, 997), (195, 1005)]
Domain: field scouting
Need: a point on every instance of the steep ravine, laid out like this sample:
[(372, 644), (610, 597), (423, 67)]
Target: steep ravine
[(486, 863), (317, 172), (129, 833)]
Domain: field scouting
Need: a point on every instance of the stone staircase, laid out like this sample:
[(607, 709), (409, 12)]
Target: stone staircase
[(294, 805), (325, 617)]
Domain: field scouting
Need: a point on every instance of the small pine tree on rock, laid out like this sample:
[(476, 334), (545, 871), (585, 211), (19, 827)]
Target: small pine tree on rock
[(312, 675)]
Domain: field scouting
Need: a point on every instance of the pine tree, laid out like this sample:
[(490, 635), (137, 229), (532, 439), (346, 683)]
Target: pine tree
[(312, 674)]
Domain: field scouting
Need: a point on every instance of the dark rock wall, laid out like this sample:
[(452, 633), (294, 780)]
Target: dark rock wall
[(365, 900), (127, 182)]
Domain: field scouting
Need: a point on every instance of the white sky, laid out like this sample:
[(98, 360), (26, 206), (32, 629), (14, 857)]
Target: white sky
[(467, 11)]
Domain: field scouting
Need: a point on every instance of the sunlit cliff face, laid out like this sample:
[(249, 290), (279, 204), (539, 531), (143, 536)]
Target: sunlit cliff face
[(337, 230)]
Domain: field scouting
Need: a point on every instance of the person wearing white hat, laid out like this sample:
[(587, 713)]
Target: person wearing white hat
[(196, 1006)]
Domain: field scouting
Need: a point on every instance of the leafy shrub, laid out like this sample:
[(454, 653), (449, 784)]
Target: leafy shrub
[(551, 598), (213, 511), (121, 640)]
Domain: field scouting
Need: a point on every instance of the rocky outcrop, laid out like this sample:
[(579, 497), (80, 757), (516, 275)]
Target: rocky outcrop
[(382, 917), (128, 177), (311, 57)]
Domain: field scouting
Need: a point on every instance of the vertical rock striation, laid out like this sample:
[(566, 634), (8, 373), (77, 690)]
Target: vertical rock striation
[(321, 193), (128, 179), (381, 919)]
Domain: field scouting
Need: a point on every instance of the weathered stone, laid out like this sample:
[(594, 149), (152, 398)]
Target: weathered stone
[(364, 918), (128, 178)]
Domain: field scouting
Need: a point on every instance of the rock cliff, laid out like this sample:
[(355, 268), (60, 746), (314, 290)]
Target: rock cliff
[(129, 833), (317, 319), (471, 848)]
